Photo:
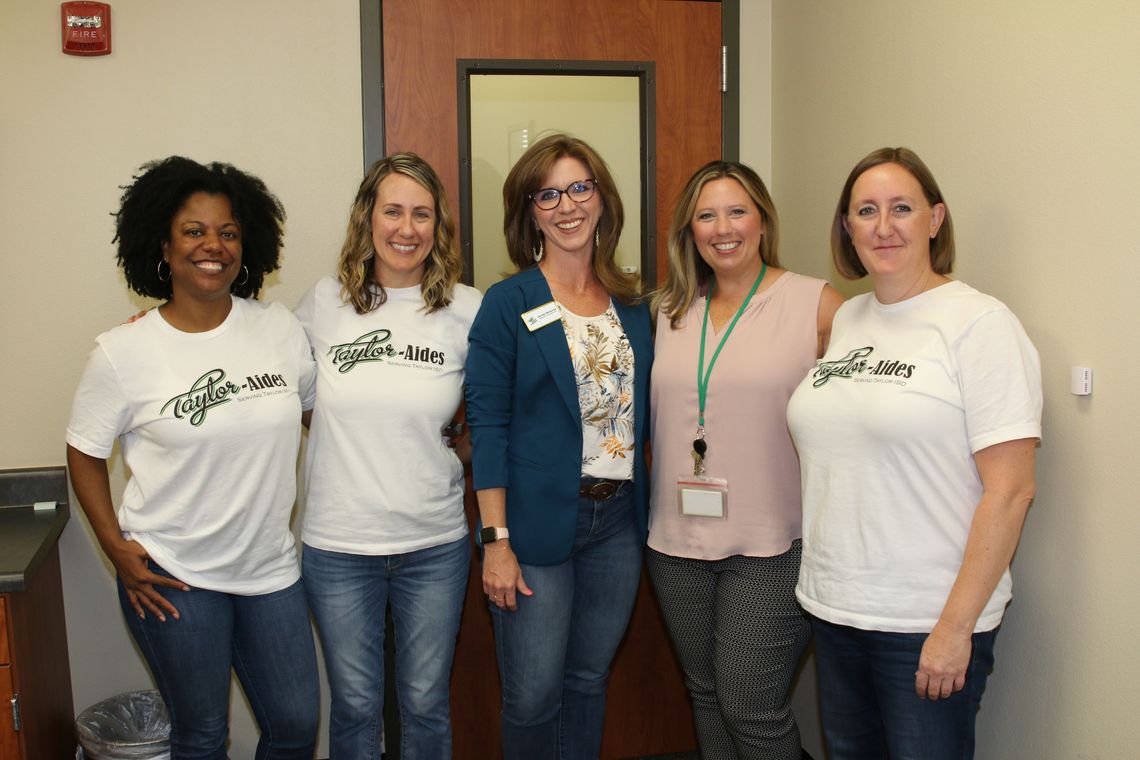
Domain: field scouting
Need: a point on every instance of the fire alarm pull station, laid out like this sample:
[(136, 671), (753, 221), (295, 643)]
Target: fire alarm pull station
[(86, 28)]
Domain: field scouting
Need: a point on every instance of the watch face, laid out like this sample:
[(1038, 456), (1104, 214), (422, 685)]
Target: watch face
[(491, 535)]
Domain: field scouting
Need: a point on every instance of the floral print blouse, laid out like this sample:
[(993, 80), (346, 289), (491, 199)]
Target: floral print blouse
[(603, 369)]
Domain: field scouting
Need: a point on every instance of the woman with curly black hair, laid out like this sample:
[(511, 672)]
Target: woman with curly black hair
[(205, 395)]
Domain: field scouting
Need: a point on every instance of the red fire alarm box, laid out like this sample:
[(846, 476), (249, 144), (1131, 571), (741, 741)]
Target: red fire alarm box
[(86, 28)]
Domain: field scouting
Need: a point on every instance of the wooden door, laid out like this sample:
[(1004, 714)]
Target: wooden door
[(424, 38), (648, 709)]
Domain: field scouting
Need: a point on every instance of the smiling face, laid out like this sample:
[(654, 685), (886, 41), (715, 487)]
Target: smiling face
[(204, 250), (403, 231), (568, 228), (891, 223), (727, 228)]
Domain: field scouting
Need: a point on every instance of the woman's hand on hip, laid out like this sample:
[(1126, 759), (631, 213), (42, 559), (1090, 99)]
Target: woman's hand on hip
[(942, 664), (502, 576), (93, 488), (130, 561)]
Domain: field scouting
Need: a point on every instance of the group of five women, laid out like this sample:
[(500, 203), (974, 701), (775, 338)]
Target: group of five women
[(858, 471)]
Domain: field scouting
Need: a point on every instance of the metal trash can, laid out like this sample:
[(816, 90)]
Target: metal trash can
[(130, 726)]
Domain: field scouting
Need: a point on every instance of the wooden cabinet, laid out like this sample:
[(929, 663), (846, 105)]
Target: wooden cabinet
[(9, 742), (37, 721), (36, 714)]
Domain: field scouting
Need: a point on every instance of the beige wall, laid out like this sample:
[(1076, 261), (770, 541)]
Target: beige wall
[(272, 88), (1028, 113), (1026, 110), (756, 86)]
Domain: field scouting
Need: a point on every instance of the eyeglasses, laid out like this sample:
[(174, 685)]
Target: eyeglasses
[(548, 197)]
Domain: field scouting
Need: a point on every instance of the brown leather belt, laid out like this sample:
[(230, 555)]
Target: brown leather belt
[(600, 489)]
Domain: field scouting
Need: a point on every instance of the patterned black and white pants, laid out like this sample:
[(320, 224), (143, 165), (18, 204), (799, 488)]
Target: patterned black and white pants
[(739, 634)]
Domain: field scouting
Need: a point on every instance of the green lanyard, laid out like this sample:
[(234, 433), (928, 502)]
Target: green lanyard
[(704, 375)]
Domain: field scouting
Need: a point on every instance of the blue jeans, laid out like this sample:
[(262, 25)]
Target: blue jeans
[(348, 594), (868, 704), (265, 638), (555, 651)]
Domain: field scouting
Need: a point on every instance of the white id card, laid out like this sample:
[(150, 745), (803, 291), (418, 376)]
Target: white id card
[(541, 316), (700, 496)]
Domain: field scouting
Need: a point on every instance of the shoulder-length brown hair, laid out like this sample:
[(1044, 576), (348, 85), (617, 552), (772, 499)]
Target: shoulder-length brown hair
[(688, 273), (843, 250), (523, 238), (357, 263)]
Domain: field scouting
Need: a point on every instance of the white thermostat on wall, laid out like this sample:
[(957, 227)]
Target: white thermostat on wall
[(1081, 381)]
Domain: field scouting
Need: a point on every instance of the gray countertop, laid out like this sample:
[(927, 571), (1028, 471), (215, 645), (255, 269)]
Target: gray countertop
[(27, 536)]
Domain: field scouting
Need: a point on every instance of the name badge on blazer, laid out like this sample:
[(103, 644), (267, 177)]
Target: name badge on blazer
[(541, 316)]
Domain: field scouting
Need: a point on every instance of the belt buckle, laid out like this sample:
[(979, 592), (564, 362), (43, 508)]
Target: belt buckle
[(602, 490)]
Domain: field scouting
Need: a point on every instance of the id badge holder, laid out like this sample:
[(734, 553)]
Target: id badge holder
[(701, 496)]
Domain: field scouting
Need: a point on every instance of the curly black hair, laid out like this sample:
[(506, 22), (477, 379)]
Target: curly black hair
[(150, 202)]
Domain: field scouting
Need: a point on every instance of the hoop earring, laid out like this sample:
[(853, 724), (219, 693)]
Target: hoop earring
[(158, 269), (597, 237), (539, 253), (244, 280)]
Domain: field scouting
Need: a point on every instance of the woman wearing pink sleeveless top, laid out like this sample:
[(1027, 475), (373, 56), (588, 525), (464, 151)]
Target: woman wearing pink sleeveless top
[(735, 335)]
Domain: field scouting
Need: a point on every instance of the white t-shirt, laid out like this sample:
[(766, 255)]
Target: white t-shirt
[(886, 427), (209, 425), (380, 478)]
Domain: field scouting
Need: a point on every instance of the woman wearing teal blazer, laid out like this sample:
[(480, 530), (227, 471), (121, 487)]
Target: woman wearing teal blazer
[(557, 388)]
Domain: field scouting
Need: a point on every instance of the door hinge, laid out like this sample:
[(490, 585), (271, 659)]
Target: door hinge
[(724, 68), (15, 712)]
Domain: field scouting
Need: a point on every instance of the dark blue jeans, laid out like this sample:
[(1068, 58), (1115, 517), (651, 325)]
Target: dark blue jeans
[(348, 594), (868, 704), (555, 651), (266, 639)]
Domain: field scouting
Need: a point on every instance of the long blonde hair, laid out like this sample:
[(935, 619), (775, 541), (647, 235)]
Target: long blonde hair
[(688, 273), (518, 227), (357, 263)]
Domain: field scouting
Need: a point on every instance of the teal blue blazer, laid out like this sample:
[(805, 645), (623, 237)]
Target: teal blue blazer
[(526, 425)]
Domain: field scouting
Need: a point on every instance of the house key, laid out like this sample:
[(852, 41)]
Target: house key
[(699, 450)]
